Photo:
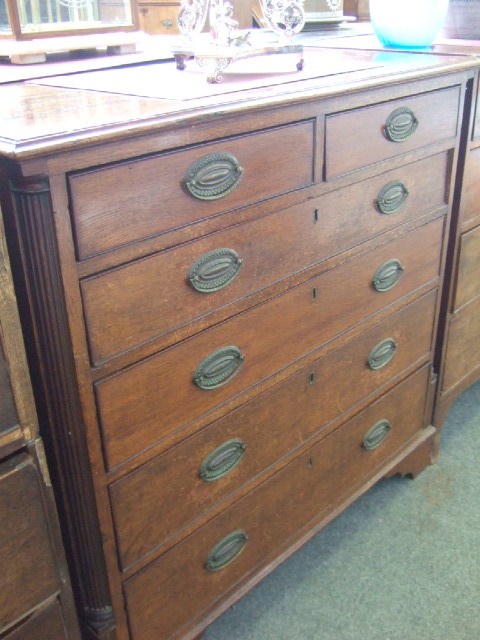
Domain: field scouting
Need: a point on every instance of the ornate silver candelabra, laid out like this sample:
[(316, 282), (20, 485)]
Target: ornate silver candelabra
[(226, 42)]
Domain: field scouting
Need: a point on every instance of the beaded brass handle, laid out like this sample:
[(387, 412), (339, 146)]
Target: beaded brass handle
[(218, 368), (215, 270), (387, 275), (222, 460), (226, 550), (382, 353), (392, 197), (376, 434), (401, 124), (213, 176)]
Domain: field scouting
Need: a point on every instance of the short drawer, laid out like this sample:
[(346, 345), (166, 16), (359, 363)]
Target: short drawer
[(175, 287), (124, 203), (191, 478), (470, 198), (185, 381), (180, 587), (28, 570), (463, 344), (47, 624), (362, 137), (468, 278)]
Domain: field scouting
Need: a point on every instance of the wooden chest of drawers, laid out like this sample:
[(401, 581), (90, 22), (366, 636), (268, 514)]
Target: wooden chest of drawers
[(233, 313)]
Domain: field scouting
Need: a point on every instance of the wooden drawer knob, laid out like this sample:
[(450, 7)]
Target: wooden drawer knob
[(226, 550), (218, 368), (400, 125), (382, 353), (392, 197), (376, 434), (213, 176), (222, 460), (387, 275), (215, 270)]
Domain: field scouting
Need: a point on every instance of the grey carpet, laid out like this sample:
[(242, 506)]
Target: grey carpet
[(402, 563)]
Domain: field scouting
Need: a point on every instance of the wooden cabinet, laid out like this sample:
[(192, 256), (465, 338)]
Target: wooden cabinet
[(234, 300), (35, 594), (459, 353)]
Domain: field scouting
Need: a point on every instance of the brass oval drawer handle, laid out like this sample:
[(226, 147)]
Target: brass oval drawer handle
[(222, 460), (213, 176), (215, 270), (392, 197), (376, 434), (225, 551), (218, 368), (387, 275), (401, 124), (382, 353), (167, 23)]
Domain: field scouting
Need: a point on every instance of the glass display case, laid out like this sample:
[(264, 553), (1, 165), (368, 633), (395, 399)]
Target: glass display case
[(28, 19)]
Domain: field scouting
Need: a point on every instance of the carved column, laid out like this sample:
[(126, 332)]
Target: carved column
[(58, 401)]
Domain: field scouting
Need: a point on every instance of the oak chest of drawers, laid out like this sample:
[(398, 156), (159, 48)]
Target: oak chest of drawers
[(232, 312)]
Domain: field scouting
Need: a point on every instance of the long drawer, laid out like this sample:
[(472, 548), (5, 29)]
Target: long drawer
[(174, 590), (360, 137), (191, 478), (191, 378), (123, 203), (174, 287)]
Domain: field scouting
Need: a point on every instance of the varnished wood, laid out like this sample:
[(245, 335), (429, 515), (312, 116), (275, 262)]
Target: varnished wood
[(292, 325), (159, 284), (314, 400), (114, 350), (270, 515)]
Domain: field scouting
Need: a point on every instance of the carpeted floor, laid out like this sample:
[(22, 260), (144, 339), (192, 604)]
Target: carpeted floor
[(402, 563)]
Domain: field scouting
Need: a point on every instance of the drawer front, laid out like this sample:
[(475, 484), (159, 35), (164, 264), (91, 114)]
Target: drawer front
[(120, 204), (174, 287), (242, 351), (191, 478), (28, 575), (361, 137), (463, 345), (470, 199), (468, 280), (158, 18), (178, 587), (46, 625)]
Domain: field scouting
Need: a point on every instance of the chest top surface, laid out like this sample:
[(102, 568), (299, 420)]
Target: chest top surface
[(50, 114)]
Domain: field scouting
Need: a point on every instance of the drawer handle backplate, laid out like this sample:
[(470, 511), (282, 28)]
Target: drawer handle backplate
[(218, 368), (387, 275), (382, 353), (376, 434), (213, 176), (401, 124), (391, 197), (215, 270), (222, 460), (226, 550)]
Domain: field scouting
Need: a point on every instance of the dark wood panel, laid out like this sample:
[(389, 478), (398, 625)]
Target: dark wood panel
[(270, 426), (177, 587), (124, 203), (47, 624), (437, 115), (8, 412), (271, 249), (470, 199), (29, 574), (468, 275), (463, 344), (270, 336)]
